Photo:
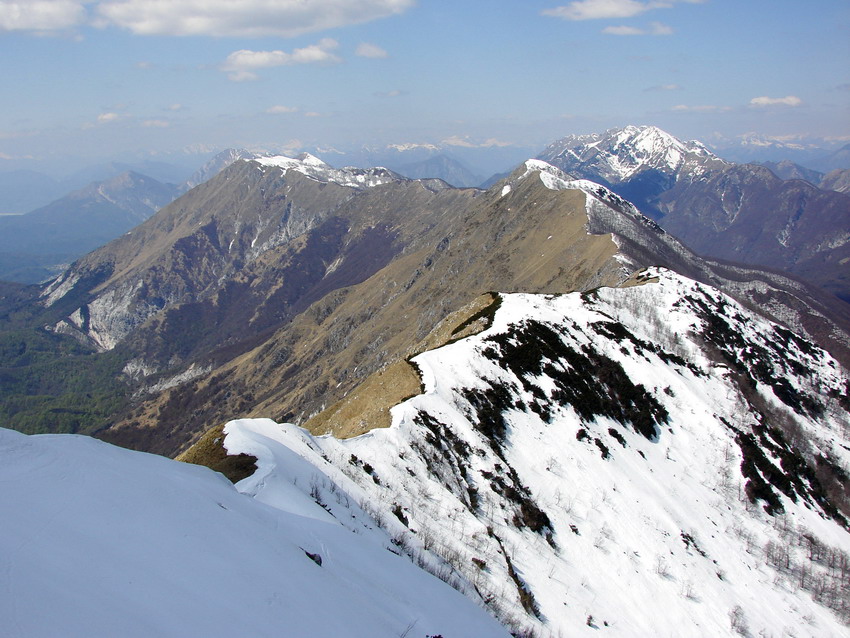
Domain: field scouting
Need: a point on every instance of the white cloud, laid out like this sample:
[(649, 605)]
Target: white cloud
[(242, 65), (242, 76), (245, 18), (701, 108), (788, 100), (279, 109), (175, 107), (655, 28), (664, 87), (491, 142), (609, 9), (155, 124), (623, 30), (40, 15), (107, 117), (393, 93), (6, 156), (367, 50), (597, 9)]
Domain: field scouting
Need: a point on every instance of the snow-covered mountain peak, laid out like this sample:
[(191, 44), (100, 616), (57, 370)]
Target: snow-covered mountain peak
[(307, 158), (619, 154), (313, 167), (651, 460)]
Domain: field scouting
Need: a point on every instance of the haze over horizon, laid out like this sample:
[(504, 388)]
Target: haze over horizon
[(103, 78)]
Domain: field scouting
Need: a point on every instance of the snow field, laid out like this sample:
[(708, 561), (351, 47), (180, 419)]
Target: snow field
[(101, 541)]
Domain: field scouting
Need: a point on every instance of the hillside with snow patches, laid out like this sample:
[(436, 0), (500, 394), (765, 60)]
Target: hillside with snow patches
[(100, 541), (647, 460)]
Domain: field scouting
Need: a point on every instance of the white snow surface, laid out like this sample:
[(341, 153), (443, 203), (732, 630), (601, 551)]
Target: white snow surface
[(100, 541), (313, 167), (646, 535)]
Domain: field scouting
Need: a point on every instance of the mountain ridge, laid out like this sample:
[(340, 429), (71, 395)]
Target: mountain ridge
[(534, 390), (543, 485)]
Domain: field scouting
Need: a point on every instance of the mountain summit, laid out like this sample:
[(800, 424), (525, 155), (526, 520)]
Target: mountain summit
[(740, 212), (619, 154), (639, 162)]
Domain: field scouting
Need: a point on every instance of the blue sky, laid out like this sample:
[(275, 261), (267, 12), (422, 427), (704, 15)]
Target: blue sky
[(102, 78)]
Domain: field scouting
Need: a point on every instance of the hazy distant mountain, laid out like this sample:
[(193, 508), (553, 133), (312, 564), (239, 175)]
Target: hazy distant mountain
[(787, 169), (838, 159), (23, 190), (160, 171), (33, 245), (760, 148), (837, 180), (479, 160), (637, 162), (441, 167)]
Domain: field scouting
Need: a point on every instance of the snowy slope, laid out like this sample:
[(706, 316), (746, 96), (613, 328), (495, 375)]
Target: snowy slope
[(649, 460), (100, 541)]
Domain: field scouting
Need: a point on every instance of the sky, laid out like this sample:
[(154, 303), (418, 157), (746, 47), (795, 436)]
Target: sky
[(109, 77)]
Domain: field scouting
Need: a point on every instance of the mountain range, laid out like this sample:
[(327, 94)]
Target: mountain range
[(534, 391), (638, 162), (814, 153), (746, 214), (214, 295), (738, 212)]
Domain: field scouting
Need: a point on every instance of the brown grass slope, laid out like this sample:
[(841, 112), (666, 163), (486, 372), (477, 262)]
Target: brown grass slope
[(532, 239)]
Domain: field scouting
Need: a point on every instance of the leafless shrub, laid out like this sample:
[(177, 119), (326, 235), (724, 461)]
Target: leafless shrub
[(738, 621), (661, 567)]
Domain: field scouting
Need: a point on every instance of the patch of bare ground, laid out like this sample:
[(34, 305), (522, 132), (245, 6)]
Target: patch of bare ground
[(368, 406), (209, 451)]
